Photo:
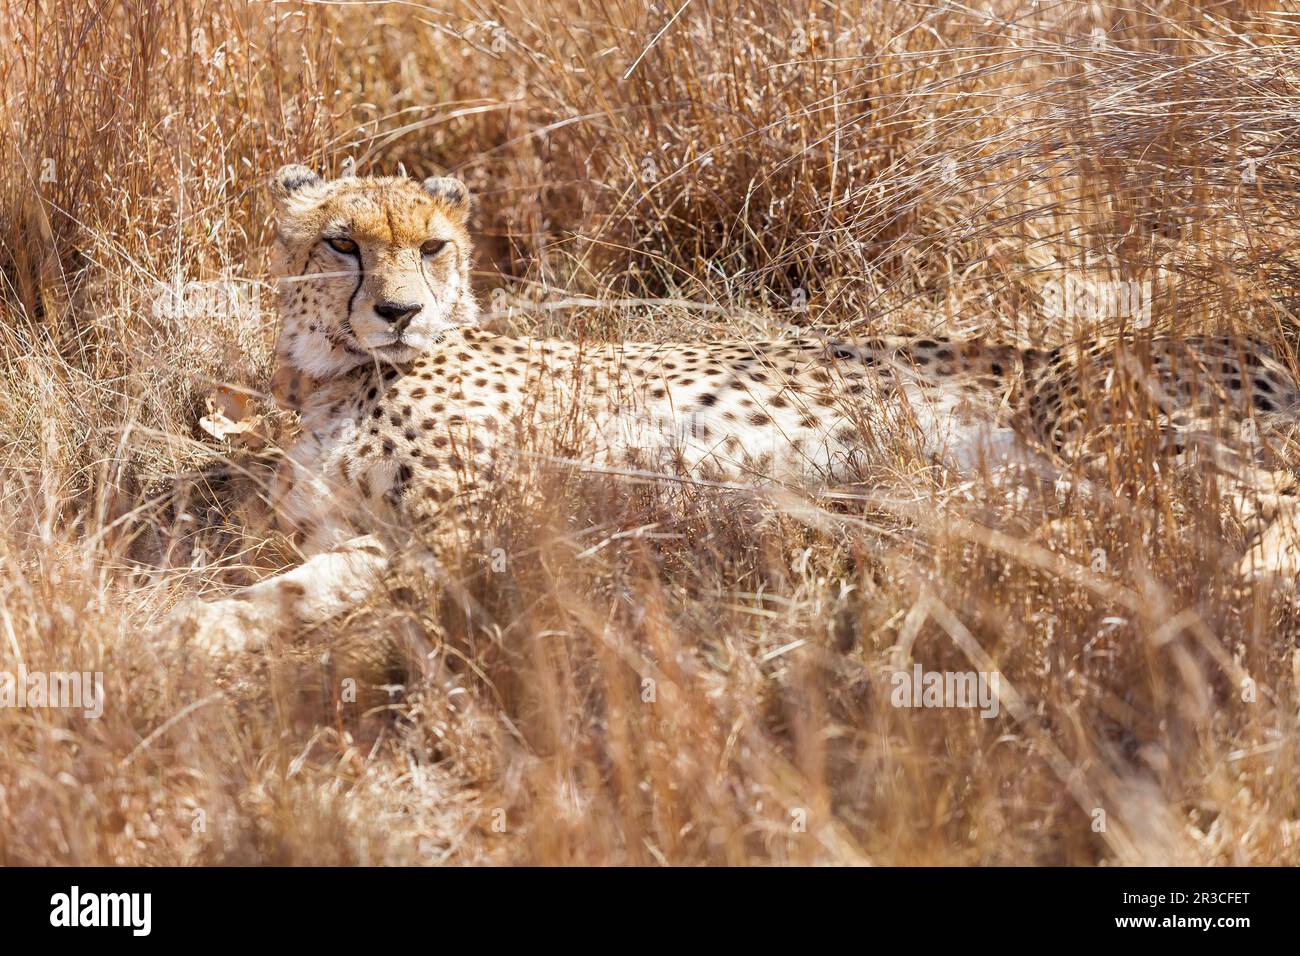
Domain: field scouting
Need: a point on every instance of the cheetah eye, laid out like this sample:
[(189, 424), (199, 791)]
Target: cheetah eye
[(433, 247), (342, 245)]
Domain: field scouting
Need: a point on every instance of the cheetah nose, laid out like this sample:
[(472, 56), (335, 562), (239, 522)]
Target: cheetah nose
[(397, 314)]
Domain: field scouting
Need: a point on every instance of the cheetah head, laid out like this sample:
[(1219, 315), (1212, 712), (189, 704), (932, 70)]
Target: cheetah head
[(368, 268)]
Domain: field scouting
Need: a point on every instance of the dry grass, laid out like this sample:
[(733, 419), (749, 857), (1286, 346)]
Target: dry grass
[(901, 165)]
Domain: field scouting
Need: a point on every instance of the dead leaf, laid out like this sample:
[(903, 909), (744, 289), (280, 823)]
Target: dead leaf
[(232, 416)]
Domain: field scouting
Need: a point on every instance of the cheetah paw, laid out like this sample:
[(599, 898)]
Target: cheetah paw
[(221, 628), (1274, 554)]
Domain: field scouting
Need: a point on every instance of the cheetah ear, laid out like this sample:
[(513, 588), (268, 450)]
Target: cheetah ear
[(450, 191), (291, 184)]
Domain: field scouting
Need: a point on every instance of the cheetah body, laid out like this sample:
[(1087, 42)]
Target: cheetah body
[(799, 411), (409, 409)]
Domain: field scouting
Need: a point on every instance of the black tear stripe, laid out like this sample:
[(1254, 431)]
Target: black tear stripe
[(347, 321), (427, 284), (361, 277)]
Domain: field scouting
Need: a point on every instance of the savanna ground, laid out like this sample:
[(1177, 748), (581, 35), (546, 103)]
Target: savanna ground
[(685, 676)]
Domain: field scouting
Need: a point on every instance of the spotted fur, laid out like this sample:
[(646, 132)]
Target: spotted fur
[(403, 418)]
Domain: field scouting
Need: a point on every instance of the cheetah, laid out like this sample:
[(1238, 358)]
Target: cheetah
[(410, 408)]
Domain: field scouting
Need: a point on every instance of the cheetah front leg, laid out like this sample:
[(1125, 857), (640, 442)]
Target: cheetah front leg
[(1274, 551), (320, 588), (1266, 499)]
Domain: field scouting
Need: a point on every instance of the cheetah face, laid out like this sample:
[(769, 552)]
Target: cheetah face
[(368, 268)]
